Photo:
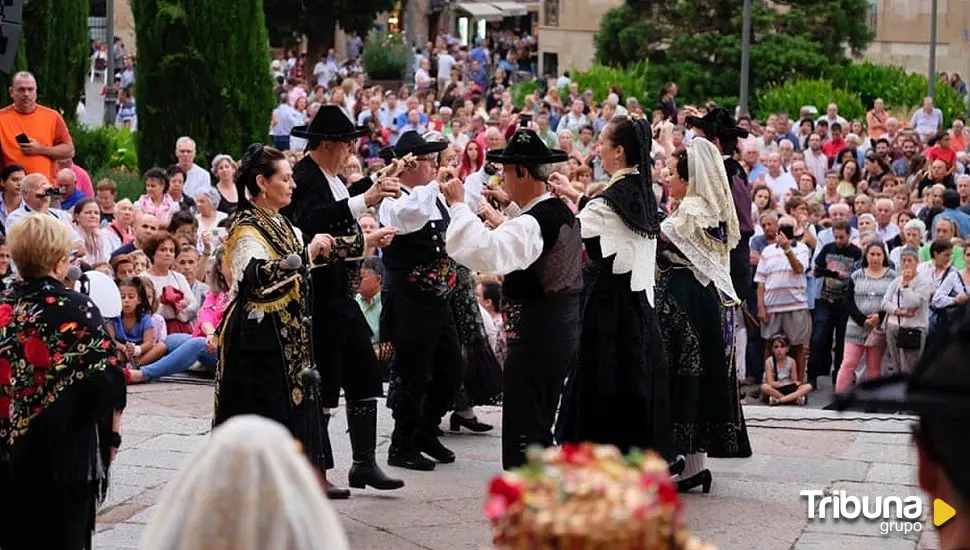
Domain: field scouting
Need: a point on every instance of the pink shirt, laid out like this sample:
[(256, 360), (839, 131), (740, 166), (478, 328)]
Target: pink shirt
[(163, 212), (212, 310), (83, 180)]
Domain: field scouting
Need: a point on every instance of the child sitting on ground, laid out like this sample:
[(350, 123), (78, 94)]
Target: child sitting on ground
[(782, 384)]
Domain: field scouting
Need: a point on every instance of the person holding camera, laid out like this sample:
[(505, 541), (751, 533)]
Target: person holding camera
[(38, 192), (783, 292)]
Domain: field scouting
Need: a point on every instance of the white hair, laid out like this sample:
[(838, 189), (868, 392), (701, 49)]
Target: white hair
[(184, 140)]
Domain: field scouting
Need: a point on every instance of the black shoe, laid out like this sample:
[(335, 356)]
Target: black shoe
[(702, 478), (337, 493), (431, 446), (362, 425), (412, 460), (458, 421), (676, 467)]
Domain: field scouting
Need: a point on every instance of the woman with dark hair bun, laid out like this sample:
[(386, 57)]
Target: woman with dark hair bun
[(265, 345), (619, 392)]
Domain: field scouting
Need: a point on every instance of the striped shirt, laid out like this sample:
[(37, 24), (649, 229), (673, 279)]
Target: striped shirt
[(784, 289)]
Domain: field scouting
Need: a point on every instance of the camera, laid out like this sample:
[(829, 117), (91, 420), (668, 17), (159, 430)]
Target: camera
[(787, 230), (52, 192)]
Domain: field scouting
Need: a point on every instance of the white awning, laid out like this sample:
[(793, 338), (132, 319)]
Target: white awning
[(511, 9), (481, 10)]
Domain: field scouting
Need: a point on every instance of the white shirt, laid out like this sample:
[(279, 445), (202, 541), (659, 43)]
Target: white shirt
[(817, 164), (779, 185), (22, 212), (512, 246), (445, 63), (197, 180), (412, 210), (474, 183), (491, 331), (356, 204)]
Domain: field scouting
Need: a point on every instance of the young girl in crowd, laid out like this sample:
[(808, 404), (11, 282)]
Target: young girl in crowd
[(189, 263), (123, 266), (782, 384), (142, 263), (134, 327), (161, 332), (215, 304)]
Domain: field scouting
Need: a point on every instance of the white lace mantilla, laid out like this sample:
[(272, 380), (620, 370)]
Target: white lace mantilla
[(634, 253)]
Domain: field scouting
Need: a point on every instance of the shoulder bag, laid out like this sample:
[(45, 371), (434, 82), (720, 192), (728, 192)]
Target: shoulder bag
[(908, 338)]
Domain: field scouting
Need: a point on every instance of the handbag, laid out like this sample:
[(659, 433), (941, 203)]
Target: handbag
[(908, 338)]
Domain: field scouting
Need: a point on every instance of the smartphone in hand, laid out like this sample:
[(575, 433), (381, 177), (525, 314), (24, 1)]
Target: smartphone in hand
[(22, 138)]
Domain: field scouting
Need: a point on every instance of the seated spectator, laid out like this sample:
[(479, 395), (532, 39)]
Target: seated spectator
[(37, 198), (123, 267), (270, 499), (214, 306), (6, 270), (906, 304), (120, 230), (107, 194), (188, 263), (142, 263), (369, 295), (781, 383), (178, 305), (145, 227), (11, 191), (134, 327), (66, 182), (81, 176), (489, 294), (156, 200), (87, 228)]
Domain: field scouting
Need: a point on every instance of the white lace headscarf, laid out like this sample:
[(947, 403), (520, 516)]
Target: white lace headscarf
[(249, 488), (707, 204)]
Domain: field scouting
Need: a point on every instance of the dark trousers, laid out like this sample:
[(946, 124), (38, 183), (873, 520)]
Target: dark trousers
[(535, 369), (828, 319), (47, 515), (754, 360), (281, 142), (426, 364)]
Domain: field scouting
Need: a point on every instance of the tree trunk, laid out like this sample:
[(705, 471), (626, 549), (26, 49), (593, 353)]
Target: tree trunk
[(320, 37)]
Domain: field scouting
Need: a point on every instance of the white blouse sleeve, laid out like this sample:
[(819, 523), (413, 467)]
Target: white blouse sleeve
[(514, 245), (247, 248), (634, 253), (412, 211), (942, 297)]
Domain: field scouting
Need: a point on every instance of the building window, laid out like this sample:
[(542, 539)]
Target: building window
[(872, 18), (550, 64), (552, 13)]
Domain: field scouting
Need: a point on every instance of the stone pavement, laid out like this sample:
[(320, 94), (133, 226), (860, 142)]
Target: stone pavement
[(754, 503)]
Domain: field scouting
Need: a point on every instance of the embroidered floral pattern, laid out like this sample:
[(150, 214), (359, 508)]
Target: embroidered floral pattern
[(512, 313), (437, 279), (42, 352)]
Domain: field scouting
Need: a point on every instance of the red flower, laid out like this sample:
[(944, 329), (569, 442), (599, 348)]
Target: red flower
[(39, 378), (6, 314), (105, 344), (666, 490), (50, 299), (36, 353), (5, 372), (67, 326), (579, 455), (4, 407), (503, 491)]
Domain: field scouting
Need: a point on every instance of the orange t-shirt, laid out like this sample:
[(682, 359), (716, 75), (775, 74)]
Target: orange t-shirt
[(44, 125)]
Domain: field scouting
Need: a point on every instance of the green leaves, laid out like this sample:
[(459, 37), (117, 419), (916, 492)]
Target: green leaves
[(385, 57), (792, 96)]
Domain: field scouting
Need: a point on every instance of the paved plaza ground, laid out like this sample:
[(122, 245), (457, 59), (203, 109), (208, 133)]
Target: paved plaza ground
[(754, 503)]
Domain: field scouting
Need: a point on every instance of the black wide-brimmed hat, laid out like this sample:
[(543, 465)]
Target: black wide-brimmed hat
[(526, 147), (330, 124), (717, 123), (411, 143)]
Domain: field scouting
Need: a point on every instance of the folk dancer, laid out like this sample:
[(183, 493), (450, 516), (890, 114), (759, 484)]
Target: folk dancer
[(540, 254), (323, 204), (416, 315)]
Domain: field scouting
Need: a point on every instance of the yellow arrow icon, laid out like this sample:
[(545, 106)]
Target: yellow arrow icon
[(942, 512)]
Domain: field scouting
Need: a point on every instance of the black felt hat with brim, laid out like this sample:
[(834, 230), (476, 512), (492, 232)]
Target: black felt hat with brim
[(411, 143), (526, 147), (330, 124), (717, 123)]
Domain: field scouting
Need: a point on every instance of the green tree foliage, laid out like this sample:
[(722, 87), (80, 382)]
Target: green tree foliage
[(315, 19), (792, 96), (54, 46), (697, 43), (900, 91), (204, 73)]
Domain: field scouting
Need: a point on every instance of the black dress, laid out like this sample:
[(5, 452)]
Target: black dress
[(61, 382), (264, 342), (619, 392)]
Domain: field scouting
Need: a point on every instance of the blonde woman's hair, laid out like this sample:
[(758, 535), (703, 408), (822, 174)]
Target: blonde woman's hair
[(37, 243)]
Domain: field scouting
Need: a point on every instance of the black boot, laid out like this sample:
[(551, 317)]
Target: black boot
[(404, 454), (428, 443), (333, 492), (362, 424), (701, 479)]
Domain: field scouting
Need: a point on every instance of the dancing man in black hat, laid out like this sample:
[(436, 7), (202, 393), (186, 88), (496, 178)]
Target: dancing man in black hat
[(540, 254), (416, 313), (322, 203)]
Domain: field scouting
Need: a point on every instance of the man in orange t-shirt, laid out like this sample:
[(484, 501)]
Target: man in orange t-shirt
[(44, 137)]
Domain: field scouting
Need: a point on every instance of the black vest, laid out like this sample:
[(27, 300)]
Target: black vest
[(559, 269), (415, 251)]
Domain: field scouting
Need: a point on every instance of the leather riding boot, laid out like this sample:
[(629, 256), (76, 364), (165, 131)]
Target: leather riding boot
[(362, 424)]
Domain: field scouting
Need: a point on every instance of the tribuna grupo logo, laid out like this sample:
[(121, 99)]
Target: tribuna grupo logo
[(894, 513)]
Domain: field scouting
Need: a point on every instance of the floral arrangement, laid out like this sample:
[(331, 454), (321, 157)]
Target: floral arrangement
[(590, 497)]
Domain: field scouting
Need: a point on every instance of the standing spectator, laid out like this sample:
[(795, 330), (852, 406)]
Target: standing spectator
[(354, 46), (952, 211), (44, 137), (906, 304), (477, 74), (928, 120), (952, 293), (782, 291), (815, 160), (326, 69), (224, 169), (900, 166), (912, 237), (176, 188), (574, 119), (446, 62), (156, 200), (885, 228), (876, 119), (779, 181), (196, 178), (943, 230), (107, 195), (284, 118), (832, 118), (834, 263), (863, 334), (835, 143)]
